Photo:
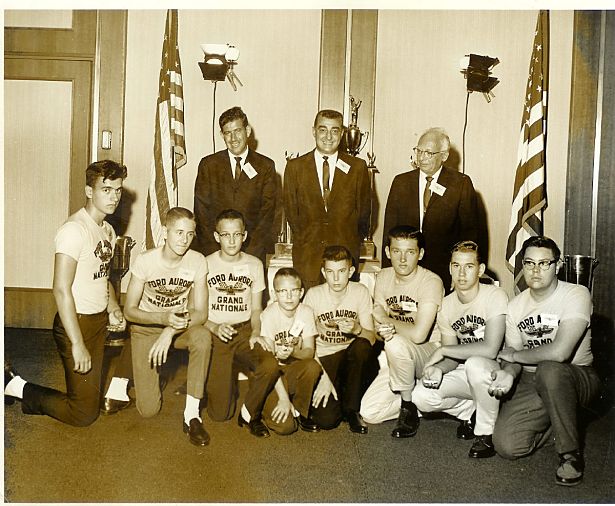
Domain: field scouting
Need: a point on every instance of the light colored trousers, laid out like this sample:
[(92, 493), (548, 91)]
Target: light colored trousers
[(462, 391), (400, 364)]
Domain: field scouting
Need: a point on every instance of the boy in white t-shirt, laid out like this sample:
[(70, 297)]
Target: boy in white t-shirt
[(166, 302), (288, 330), (406, 300), (86, 304), (343, 311), (456, 378), (546, 364), (236, 282)]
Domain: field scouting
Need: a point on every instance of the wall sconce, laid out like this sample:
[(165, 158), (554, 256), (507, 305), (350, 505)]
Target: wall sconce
[(219, 62), (477, 71)]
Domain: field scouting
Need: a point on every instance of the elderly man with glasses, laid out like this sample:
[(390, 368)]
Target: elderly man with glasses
[(437, 200), (546, 364)]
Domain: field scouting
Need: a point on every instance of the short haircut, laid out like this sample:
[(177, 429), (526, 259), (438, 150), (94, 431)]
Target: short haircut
[(106, 169), (406, 232), (230, 214), (287, 272), (445, 142), (540, 241), (231, 115), (336, 253), (177, 213), (466, 247), (329, 114)]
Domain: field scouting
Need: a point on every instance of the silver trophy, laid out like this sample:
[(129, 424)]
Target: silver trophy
[(353, 135), (368, 248)]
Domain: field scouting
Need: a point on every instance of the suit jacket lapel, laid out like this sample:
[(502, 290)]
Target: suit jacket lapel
[(312, 181)]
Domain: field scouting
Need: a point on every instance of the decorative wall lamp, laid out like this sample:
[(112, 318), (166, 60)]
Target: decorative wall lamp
[(477, 71), (219, 62)]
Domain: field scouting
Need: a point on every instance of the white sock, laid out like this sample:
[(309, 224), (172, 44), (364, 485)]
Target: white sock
[(118, 389), (245, 414), (15, 387), (192, 409)]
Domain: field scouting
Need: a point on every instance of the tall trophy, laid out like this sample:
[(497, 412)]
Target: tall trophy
[(368, 248), (353, 135), (120, 263)]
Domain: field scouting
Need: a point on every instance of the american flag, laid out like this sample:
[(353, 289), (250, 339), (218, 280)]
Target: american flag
[(169, 142), (530, 193)]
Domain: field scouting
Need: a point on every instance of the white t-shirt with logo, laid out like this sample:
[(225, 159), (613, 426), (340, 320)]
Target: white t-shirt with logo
[(530, 323), (400, 299), (231, 285), (355, 305), (285, 331), (467, 321), (91, 246), (166, 289)]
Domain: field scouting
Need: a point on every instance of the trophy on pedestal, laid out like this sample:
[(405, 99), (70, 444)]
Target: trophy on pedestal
[(120, 263), (353, 138)]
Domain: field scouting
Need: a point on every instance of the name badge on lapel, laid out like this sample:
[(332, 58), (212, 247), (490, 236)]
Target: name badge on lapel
[(249, 170), (342, 165), (437, 188)]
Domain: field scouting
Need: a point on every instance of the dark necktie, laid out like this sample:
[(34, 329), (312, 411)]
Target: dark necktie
[(325, 180), (427, 193), (237, 167)]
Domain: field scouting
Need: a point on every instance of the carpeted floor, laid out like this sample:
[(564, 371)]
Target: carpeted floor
[(124, 458)]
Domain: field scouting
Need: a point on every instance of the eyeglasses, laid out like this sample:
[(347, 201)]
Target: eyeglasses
[(530, 265), (284, 292), (227, 235), (428, 154)]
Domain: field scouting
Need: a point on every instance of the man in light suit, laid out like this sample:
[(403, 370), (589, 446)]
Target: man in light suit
[(326, 199), (440, 202), (235, 178)]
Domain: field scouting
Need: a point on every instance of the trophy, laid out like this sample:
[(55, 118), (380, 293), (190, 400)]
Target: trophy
[(120, 263), (353, 135), (284, 246), (368, 248)]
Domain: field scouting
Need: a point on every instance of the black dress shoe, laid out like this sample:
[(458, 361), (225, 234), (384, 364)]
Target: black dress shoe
[(307, 424), (256, 426), (112, 406), (355, 422), (407, 423), (570, 469), (9, 374), (196, 432), (482, 448), (465, 430)]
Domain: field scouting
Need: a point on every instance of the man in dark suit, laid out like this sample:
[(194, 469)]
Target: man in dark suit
[(440, 202), (326, 199), (235, 178)]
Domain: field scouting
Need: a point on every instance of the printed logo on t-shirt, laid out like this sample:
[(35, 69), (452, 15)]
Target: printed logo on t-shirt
[(401, 307), (230, 292), (537, 330), (171, 292), (329, 323), (469, 328), (104, 252)]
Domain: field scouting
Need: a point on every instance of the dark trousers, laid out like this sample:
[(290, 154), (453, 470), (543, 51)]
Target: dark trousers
[(80, 404), (544, 401), (347, 369), (229, 358), (300, 378)]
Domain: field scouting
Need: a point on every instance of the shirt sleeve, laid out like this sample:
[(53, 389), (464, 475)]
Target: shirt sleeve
[(137, 269), (443, 323), (432, 291), (513, 336), (380, 305), (258, 276), (201, 268), (266, 323), (497, 304), (70, 240), (310, 321), (578, 304), (365, 309)]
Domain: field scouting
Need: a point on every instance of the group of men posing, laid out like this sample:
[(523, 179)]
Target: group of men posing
[(513, 373)]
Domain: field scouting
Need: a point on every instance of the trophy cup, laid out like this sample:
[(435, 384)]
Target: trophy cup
[(120, 263), (353, 135), (368, 248)]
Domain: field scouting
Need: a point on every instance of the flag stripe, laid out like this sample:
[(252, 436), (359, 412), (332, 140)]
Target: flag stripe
[(169, 143), (529, 190)]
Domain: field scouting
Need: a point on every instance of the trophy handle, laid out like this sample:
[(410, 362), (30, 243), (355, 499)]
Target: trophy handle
[(365, 142)]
